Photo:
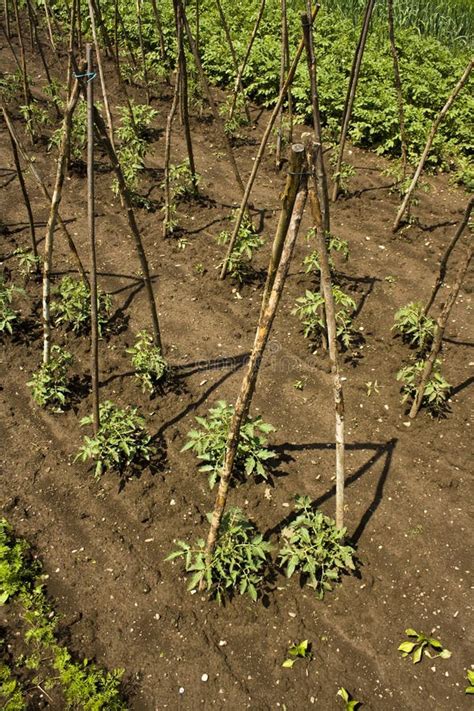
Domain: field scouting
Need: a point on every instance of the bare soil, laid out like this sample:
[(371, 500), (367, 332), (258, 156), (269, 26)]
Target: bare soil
[(409, 485)]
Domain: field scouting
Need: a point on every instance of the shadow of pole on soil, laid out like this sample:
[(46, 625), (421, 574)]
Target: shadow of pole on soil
[(384, 449)]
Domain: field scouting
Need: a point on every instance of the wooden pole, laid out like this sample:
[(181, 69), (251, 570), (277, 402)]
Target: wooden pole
[(183, 76), (7, 18), (351, 91), (92, 245), (142, 49), (429, 142), (233, 54), (37, 38), (24, 70), (210, 98), (159, 27), (330, 313), (48, 24), (79, 25), (320, 168), (108, 114), (127, 202), (437, 341), (238, 79), (248, 383), (444, 261), (52, 220), (169, 127), (398, 86), (45, 192), (284, 64), (261, 150), (24, 191)]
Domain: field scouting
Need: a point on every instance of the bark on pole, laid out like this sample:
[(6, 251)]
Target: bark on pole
[(330, 313), (142, 50), (434, 128), (444, 261), (210, 98), (91, 228), (248, 383), (48, 24), (437, 341), (108, 114), (351, 91), (240, 73), (24, 191), (233, 54), (39, 46), (183, 76), (322, 185), (7, 18), (169, 128), (398, 86), (159, 27), (261, 150), (288, 198), (127, 203), (24, 69), (45, 192), (53, 218), (284, 64)]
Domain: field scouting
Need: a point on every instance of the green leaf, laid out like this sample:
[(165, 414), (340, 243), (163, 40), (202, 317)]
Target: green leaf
[(418, 653), (407, 647), (288, 663)]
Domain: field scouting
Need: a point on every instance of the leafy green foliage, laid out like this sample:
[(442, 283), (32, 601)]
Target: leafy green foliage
[(238, 120), (35, 116), (78, 137), (132, 134), (10, 691), (237, 564), (297, 651), (50, 385), (345, 173), (150, 366), (83, 684), (10, 86), (247, 242), (27, 261), (350, 703), (314, 547), (120, 441), (183, 185), (334, 244), (436, 390), (470, 677), (8, 316), (71, 308), (310, 309), (16, 571), (210, 442), (414, 326), (419, 645)]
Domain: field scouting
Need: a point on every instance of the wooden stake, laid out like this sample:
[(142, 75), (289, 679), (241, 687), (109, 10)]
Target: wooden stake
[(183, 84), (261, 150), (127, 202), (169, 127), (142, 49), (330, 313), (248, 383), (108, 114), (320, 168), (284, 64), (48, 24), (159, 27), (91, 226), (53, 218), (24, 71), (238, 79), (351, 91), (429, 142), (210, 98), (45, 191), (7, 18), (24, 191), (444, 261), (398, 86), (437, 341), (233, 54), (34, 17)]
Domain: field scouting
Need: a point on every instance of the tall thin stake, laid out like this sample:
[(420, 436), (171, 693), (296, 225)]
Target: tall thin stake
[(240, 73), (233, 54), (429, 142), (437, 341), (53, 219), (330, 312), (261, 150), (351, 92), (398, 86), (91, 227), (7, 18), (169, 128), (183, 84), (284, 64), (142, 50), (248, 383), (108, 114), (24, 191)]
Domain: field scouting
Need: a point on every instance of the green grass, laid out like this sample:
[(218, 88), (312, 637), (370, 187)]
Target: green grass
[(450, 21)]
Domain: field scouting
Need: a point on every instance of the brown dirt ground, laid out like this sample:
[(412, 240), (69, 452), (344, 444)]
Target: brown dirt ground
[(408, 488)]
